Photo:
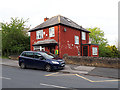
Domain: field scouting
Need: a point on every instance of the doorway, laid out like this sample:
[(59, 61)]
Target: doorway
[(52, 49), (85, 50)]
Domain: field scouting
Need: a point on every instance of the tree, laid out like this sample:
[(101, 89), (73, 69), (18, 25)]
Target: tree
[(114, 51), (97, 37), (0, 42), (14, 37), (105, 50)]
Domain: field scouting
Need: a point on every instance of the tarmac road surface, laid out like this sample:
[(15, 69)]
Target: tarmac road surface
[(14, 77)]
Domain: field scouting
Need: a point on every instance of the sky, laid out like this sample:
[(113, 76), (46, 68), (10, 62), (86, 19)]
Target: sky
[(88, 13)]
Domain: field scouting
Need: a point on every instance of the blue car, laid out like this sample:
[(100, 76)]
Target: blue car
[(40, 60)]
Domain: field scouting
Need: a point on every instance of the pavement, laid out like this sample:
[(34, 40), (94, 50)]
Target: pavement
[(75, 69)]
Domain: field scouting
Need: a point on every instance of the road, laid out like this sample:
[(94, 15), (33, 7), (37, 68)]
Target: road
[(14, 77)]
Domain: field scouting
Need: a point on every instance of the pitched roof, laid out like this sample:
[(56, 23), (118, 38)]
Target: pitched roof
[(56, 20)]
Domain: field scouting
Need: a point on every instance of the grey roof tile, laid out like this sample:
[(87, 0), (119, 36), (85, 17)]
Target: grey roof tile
[(56, 20)]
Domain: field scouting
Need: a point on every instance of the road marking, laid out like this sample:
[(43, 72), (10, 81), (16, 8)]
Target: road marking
[(51, 74), (56, 74), (5, 78), (97, 81), (84, 78), (63, 74), (107, 80), (52, 85)]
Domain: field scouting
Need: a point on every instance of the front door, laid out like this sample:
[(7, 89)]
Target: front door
[(52, 49), (85, 50)]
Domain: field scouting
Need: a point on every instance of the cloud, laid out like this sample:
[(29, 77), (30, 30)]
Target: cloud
[(112, 39)]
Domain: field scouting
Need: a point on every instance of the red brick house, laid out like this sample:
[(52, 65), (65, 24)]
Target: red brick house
[(60, 35)]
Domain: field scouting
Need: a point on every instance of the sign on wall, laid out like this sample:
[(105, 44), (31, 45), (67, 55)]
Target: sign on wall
[(56, 51)]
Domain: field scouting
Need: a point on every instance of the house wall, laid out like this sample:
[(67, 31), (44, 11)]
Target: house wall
[(45, 31), (91, 50), (87, 39), (67, 41)]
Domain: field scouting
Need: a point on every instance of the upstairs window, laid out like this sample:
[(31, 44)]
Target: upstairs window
[(76, 39), (94, 50), (51, 32), (39, 34), (83, 36)]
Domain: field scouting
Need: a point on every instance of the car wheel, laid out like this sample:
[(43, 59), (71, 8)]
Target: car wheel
[(48, 68), (22, 66)]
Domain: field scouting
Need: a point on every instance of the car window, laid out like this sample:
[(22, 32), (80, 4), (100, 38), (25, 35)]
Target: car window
[(23, 54), (37, 55), (29, 54), (47, 56)]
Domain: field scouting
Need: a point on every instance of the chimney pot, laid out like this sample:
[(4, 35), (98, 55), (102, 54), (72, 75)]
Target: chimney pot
[(45, 19)]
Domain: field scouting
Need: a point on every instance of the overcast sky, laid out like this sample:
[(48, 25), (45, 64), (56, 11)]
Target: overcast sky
[(88, 13)]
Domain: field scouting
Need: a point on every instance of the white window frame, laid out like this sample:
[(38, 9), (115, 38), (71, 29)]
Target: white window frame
[(39, 34), (83, 36), (76, 39), (51, 32), (94, 51), (40, 48)]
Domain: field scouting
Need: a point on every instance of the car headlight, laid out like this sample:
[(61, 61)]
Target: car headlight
[(54, 62)]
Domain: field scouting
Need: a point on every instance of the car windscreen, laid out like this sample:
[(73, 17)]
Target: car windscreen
[(47, 56)]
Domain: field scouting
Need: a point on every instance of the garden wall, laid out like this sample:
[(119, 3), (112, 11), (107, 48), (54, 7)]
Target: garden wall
[(13, 57), (93, 61)]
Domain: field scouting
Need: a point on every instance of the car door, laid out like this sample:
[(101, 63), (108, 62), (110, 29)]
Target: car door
[(39, 61), (29, 59)]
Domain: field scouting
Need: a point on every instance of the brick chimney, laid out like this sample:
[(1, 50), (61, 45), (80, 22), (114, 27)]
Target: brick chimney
[(45, 19)]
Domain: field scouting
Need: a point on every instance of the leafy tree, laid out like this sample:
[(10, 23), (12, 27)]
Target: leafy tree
[(14, 37), (97, 37), (114, 51), (0, 42)]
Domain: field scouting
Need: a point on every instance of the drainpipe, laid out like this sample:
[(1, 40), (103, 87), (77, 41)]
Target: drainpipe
[(58, 40), (81, 42)]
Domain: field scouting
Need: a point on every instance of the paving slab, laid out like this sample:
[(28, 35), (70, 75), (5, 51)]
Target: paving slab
[(84, 68), (105, 72), (97, 71), (69, 70), (9, 62)]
